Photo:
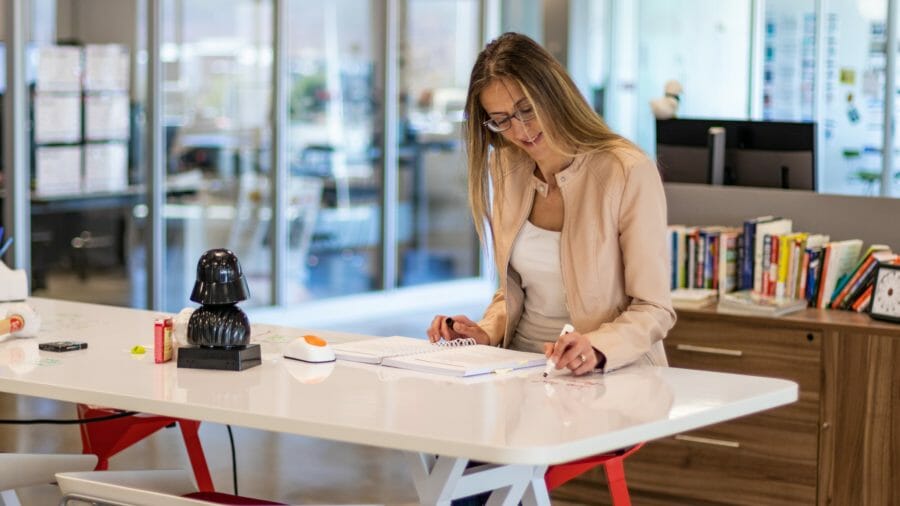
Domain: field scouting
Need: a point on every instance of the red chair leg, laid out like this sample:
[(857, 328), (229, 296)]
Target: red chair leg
[(613, 464), (189, 431), (615, 478), (560, 474), (107, 438)]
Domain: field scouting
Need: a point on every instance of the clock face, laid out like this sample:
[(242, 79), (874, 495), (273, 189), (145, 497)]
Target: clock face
[(886, 299)]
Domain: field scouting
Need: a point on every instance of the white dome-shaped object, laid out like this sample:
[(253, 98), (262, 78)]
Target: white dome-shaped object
[(180, 325)]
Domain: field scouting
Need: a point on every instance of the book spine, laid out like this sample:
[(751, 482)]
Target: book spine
[(765, 266), (691, 260), (862, 303), (841, 294), (823, 275), (774, 251), (747, 258), (804, 273), (784, 258), (673, 258), (739, 263), (867, 278)]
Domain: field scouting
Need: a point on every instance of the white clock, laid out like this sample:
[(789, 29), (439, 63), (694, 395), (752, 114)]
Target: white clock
[(886, 293)]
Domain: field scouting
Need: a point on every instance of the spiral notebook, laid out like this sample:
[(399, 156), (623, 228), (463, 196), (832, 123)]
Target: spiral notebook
[(460, 357)]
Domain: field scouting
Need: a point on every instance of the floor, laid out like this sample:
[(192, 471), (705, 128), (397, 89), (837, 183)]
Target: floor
[(275, 466)]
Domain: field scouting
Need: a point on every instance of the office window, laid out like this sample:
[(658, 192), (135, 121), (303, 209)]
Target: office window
[(85, 242), (853, 98), (217, 58), (705, 45), (436, 238), (334, 147)]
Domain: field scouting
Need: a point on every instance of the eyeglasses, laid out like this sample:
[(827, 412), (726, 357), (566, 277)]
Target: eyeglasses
[(524, 115)]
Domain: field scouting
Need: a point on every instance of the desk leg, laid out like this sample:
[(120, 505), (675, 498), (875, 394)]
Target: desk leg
[(439, 480), (536, 494)]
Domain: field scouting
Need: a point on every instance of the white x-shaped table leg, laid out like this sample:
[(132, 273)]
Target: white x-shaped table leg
[(439, 480)]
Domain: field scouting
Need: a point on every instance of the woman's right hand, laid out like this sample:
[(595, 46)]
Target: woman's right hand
[(462, 327)]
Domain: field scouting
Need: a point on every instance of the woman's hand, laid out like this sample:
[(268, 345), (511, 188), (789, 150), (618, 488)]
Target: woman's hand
[(462, 327), (574, 352)]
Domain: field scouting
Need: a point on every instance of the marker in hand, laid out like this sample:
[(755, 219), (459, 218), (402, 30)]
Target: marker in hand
[(550, 363)]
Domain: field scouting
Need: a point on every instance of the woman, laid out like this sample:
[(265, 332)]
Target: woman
[(577, 219)]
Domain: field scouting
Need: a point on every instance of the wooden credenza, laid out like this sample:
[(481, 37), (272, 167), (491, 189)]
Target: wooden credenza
[(839, 444)]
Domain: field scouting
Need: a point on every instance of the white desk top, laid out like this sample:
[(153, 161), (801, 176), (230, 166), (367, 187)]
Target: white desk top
[(516, 418)]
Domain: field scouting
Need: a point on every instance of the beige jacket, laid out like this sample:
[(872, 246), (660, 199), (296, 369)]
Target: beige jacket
[(615, 263)]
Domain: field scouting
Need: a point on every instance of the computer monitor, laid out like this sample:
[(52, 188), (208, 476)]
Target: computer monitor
[(769, 154)]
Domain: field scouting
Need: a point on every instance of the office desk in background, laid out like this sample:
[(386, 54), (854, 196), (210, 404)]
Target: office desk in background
[(517, 421)]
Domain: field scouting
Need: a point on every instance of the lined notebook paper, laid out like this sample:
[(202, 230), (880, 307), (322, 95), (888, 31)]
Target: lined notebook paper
[(460, 357)]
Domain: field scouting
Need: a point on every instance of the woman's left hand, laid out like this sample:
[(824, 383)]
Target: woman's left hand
[(574, 352)]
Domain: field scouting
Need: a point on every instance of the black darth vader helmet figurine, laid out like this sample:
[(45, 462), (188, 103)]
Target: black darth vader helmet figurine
[(219, 279), (219, 326)]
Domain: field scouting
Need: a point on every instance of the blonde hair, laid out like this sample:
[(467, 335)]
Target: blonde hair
[(569, 123)]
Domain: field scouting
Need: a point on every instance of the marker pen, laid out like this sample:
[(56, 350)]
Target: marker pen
[(550, 363)]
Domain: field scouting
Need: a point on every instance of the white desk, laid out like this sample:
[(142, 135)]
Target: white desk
[(518, 421)]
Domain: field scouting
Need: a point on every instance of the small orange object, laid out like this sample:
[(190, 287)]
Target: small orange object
[(16, 323), (315, 340)]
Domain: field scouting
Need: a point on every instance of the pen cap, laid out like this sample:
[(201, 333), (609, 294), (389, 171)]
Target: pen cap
[(220, 279)]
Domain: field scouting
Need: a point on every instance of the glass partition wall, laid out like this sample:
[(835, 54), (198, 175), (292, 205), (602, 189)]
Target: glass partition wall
[(216, 89), (436, 239), (334, 147), (372, 133)]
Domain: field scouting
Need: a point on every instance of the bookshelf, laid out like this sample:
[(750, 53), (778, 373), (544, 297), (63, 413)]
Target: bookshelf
[(836, 445)]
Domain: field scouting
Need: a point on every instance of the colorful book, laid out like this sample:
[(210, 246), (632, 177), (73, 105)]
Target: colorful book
[(862, 303), (839, 259), (815, 243), (727, 263), (876, 253), (776, 226), (748, 302), (749, 252)]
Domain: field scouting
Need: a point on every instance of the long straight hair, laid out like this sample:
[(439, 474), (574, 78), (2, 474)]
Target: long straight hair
[(569, 123)]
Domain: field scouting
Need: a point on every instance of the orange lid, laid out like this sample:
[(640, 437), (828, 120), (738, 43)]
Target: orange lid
[(315, 340)]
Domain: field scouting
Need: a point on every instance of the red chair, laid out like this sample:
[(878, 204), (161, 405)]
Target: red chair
[(614, 465), (107, 438)]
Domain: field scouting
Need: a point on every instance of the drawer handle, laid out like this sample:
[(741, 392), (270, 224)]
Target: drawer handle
[(708, 441), (711, 351)]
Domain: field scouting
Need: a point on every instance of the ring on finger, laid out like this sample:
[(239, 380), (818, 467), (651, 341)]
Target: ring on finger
[(582, 357)]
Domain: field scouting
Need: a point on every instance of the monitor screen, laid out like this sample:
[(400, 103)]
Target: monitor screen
[(768, 154)]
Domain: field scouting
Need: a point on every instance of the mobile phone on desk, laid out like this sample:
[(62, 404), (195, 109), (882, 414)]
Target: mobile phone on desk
[(62, 346)]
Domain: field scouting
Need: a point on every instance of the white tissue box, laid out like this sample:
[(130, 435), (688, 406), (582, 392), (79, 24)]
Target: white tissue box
[(13, 284)]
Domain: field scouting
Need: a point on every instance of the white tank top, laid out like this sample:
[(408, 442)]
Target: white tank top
[(535, 256)]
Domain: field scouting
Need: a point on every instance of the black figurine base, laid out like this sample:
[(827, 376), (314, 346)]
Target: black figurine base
[(225, 359)]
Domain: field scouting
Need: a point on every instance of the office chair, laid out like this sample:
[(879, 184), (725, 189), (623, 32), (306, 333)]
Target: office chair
[(107, 438), (19, 470), (614, 465)]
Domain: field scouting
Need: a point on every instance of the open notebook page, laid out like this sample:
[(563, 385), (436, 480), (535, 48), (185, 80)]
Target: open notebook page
[(467, 361), (373, 351)]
